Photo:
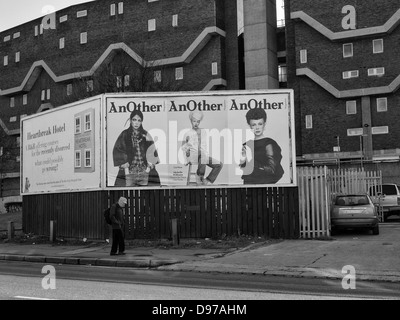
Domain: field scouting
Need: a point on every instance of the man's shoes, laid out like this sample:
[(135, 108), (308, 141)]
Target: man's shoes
[(121, 253), (113, 254)]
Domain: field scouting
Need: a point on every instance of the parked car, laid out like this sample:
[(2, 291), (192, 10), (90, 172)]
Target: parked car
[(388, 197), (354, 211)]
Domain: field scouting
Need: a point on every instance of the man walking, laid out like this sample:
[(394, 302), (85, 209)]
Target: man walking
[(117, 219)]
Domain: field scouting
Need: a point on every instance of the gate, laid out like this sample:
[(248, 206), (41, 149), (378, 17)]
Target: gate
[(317, 188)]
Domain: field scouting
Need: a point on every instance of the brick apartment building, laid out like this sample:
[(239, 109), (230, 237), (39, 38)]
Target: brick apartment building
[(343, 64), (111, 46)]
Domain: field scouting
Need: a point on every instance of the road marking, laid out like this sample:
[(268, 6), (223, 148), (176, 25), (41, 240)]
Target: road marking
[(31, 298)]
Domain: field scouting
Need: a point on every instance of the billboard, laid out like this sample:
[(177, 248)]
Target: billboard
[(61, 149), (198, 139)]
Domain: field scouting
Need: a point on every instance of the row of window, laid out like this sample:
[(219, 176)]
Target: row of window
[(84, 38), (115, 8), (381, 106), (87, 160), (372, 72), (348, 51), (121, 81), (353, 131), (87, 125)]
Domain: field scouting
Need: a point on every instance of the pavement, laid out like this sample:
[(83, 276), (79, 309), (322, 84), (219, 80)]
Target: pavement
[(374, 258)]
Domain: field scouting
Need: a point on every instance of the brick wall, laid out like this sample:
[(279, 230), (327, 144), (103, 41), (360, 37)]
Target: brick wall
[(325, 58)]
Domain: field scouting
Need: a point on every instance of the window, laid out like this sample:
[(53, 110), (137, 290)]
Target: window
[(36, 31), (41, 28), (77, 159), (45, 95), (309, 122), (119, 82), (214, 68), (303, 56), (16, 35), (81, 14), (157, 76), (355, 132), (12, 102), (152, 0), (175, 20), (83, 37), (381, 104), (88, 122), (19, 138), (347, 50), (13, 119), (62, 43), (63, 18), (7, 38), (179, 73), (112, 9), (25, 99), (127, 80), (23, 115), (152, 25), (17, 57), (69, 89), (376, 72), (350, 74), (377, 46), (282, 71), (78, 128), (88, 158), (351, 107), (89, 86), (380, 130), (120, 8), (6, 60)]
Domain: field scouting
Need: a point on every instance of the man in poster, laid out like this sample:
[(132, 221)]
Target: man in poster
[(195, 147)]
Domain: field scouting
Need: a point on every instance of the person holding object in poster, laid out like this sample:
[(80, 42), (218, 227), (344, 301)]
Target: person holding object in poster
[(117, 223), (136, 156), (195, 148), (261, 157)]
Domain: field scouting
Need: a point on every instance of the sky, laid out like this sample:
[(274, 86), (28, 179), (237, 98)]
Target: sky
[(16, 12)]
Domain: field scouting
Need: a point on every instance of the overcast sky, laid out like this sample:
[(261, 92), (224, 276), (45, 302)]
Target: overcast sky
[(16, 12)]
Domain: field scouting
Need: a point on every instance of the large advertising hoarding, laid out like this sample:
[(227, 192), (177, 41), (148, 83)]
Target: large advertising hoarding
[(61, 149), (191, 140)]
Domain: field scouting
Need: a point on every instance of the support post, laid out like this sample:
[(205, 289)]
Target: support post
[(175, 232), (53, 225), (10, 230)]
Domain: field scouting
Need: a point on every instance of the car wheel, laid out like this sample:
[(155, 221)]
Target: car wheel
[(375, 230)]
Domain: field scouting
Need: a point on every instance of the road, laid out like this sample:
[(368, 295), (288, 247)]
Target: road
[(23, 281)]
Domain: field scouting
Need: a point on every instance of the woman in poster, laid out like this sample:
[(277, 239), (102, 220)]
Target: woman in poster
[(136, 156), (261, 157)]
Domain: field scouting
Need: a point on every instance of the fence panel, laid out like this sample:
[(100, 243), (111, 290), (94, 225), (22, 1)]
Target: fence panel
[(317, 188)]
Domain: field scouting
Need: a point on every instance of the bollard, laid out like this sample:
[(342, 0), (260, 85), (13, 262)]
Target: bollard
[(175, 232), (53, 225), (10, 230)]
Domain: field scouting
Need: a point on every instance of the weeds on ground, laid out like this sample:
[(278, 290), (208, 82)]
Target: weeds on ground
[(223, 242)]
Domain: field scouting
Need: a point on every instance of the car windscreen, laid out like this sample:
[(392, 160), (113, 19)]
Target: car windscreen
[(348, 201)]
